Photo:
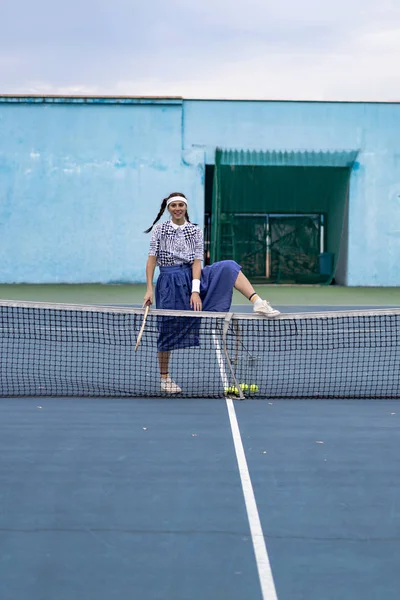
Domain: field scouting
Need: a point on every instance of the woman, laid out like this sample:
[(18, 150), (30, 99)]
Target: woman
[(177, 248)]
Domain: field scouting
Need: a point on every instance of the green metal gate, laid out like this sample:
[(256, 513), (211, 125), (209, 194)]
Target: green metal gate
[(276, 248)]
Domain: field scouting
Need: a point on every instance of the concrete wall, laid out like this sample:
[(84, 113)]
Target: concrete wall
[(80, 179), (80, 182)]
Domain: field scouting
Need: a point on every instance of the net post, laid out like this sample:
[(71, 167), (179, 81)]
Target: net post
[(227, 322)]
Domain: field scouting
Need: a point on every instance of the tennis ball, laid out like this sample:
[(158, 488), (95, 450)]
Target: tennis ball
[(230, 390), (235, 390), (254, 387), (244, 387)]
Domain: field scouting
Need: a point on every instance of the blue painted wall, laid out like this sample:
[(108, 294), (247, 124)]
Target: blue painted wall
[(80, 182), (81, 179)]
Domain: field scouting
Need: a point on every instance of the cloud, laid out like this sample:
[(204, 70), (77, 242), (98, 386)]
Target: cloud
[(224, 48)]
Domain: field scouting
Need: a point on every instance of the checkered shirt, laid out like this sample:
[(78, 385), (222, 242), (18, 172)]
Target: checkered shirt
[(174, 245)]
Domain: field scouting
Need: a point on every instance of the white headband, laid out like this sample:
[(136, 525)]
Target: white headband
[(177, 199)]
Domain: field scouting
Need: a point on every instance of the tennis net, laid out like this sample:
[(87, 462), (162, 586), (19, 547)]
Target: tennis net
[(75, 350)]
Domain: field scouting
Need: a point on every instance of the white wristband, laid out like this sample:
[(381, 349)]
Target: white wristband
[(196, 286)]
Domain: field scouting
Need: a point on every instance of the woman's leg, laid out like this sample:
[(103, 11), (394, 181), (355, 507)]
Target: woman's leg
[(243, 285), (167, 385), (163, 361)]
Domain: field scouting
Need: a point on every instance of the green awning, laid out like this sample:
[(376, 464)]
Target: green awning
[(287, 158)]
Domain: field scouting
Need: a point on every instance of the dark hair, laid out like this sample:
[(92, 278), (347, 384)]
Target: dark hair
[(163, 207)]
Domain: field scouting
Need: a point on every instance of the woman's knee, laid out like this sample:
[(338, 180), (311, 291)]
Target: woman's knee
[(231, 264)]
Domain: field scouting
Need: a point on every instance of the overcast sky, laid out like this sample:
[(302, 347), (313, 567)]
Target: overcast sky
[(256, 49)]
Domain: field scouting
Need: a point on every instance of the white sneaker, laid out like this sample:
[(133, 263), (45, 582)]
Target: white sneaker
[(262, 307), (169, 387)]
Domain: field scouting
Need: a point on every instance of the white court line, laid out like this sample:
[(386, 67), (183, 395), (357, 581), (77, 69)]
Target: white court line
[(257, 536)]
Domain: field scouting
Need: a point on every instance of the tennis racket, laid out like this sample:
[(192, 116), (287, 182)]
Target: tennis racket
[(146, 312)]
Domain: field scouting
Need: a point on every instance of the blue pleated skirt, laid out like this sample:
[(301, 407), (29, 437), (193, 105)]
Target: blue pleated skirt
[(173, 291)]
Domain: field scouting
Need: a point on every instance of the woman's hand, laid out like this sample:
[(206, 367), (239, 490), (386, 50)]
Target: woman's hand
[(195, 301), (148, 299)]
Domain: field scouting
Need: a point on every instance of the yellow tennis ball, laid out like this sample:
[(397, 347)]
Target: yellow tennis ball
[(244, 387), (235, 390), (254, 387)]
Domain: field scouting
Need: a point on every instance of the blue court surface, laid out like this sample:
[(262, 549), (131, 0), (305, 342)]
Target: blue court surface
[(173, 499)]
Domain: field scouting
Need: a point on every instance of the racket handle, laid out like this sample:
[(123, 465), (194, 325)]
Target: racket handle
[(146, 312)]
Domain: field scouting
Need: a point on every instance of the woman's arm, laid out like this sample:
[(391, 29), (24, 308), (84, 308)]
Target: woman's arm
[(150, 268), (196, 268), (195, 300)]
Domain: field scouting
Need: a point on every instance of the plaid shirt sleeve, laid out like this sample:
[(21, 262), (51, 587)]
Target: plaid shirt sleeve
[(199, 245), (155, 241)]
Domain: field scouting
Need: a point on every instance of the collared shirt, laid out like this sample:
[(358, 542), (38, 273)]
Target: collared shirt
[(176, 244)]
